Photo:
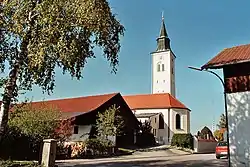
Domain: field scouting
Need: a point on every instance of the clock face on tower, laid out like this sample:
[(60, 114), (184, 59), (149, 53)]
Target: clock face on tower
[(161, 57)]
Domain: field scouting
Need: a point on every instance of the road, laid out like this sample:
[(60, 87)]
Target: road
[(156, 158)]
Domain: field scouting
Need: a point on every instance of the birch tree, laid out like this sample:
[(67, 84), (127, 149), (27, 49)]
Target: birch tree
[(38, 36)]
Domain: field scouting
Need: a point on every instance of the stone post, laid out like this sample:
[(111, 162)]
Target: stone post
[(49, 153)]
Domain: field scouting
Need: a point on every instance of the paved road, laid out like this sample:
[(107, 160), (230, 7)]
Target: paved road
[(158, 158)]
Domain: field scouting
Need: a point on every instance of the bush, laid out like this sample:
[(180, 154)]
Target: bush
[(182, 140), (98, 145), (28, 127), (18, 164)]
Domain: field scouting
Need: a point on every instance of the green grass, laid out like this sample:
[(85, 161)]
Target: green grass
[(125, 151)]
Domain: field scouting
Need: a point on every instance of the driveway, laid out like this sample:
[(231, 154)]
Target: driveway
[(154, 158)]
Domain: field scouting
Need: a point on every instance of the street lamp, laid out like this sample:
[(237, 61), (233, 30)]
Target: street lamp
[(225, 103)]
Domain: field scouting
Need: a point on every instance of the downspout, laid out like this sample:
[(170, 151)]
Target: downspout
[(168, 125)]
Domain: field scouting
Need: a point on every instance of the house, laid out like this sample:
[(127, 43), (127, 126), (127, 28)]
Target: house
[(85, 110), (235, 63)]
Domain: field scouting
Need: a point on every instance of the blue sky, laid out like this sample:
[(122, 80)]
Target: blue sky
[(198, 31)]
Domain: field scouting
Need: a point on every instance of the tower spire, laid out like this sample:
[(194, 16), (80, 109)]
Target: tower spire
[(163, 42)]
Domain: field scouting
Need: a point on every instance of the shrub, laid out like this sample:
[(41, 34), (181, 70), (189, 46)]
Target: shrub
[(182, 140), (28, 126), (18, 164), (98, 145)]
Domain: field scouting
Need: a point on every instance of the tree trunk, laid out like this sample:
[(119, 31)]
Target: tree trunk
[(8, 95), (11, 86)]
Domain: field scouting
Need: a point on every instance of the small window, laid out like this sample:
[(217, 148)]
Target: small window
[(178, 121), (158, 67), (172, 70), (157, 81), (155, 120), (162, 67), (75, 129), (163, 81)]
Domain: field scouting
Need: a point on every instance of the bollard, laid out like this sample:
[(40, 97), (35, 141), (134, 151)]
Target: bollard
[(49, 153)]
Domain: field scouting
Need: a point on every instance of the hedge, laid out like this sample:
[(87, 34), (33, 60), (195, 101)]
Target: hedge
[(18, 164), (182, 140)]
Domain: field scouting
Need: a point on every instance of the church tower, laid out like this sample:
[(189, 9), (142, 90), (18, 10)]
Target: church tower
[(163, 65)]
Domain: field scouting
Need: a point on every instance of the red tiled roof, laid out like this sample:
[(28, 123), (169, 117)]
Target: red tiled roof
[(234, 55), (78, 104), (153, 101)]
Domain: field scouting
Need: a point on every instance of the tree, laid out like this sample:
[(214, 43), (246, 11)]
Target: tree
[(222, 121), (38, 36), (109, 123), (218, 134), (41, 122)]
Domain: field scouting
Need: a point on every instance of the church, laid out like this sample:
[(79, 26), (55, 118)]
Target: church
[(166, 114)]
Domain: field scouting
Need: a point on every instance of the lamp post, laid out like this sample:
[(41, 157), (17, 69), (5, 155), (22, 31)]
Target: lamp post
[(225, 103)]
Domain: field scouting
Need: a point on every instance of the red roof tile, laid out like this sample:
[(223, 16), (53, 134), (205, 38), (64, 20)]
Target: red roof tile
[(234, 55), (79, 104), (153, 101)]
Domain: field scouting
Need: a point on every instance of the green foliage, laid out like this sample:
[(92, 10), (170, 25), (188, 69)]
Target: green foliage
[(97, 144), (109, 123), (38, 36), (222, 121), (18, 164), (40, 122), (29, 126), (218, 134), (37, 122), (182, 140)]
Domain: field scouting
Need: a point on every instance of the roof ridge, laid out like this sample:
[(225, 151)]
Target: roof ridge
[(70, 98), (238, 46), (146, 94)]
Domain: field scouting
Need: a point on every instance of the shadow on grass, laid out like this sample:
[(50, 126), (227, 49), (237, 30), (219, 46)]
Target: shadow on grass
[(158, 163)]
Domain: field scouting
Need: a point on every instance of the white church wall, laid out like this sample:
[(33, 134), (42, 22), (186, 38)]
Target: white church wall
[(238, 105), (163, 80), (185, 121)]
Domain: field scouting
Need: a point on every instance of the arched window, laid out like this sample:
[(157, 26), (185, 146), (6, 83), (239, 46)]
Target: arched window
[(178, 121), (162, 67), (158, 67)]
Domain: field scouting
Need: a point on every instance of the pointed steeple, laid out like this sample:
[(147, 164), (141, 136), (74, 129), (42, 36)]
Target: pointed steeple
[(163, 42), (163, 32)]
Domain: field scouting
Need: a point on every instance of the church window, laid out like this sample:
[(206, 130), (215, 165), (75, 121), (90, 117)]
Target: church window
[(158, 67), (163, 81), (157, 81), (162, 67), (75, 129), (178, 121), (161, 122)]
